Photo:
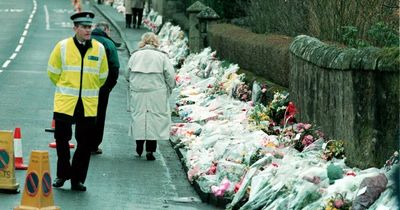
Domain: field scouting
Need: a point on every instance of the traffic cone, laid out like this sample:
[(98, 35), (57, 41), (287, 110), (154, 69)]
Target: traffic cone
[(53, 127), (38, 191), (8, 182), (19, 159), (54, 145)]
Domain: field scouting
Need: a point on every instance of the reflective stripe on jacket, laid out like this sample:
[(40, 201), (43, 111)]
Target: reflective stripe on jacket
[(64, 70)]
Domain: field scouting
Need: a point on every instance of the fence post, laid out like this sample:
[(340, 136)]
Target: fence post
[(206, 17), (194, 32)]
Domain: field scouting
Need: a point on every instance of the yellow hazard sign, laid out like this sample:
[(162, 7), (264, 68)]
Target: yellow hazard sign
[(38, 193), (7, 171)]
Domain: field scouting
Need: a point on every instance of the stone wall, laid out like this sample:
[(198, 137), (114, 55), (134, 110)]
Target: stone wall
[(351, 94)]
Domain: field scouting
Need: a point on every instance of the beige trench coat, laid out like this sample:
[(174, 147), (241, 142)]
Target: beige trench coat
[(151, 80)]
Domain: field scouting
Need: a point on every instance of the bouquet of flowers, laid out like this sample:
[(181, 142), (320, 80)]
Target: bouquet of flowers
[(278, 106), (333, 149), (338, 202), (306, 135), (217, 89), (243, 92)]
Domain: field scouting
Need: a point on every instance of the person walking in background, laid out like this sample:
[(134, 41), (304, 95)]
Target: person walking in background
[(151, 80), (137, 12), (78, 68), (102, 34), (128, 13)]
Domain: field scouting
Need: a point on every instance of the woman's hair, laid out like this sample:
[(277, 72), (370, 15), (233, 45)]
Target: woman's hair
[(149, 38)]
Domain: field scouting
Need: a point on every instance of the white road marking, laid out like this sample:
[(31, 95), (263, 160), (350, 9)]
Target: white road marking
[(5, 64), (18, 48), (22, 39), (13, 56), (46, 12)]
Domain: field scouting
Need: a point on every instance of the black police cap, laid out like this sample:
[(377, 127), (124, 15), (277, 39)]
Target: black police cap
[(83, 18)]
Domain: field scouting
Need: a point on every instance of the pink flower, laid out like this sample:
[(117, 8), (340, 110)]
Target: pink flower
[(220, 190), (307, 126), (307, 140), (209, 86), (350, 173), (338, 203)]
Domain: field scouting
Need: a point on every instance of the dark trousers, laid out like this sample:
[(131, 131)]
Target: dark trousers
[(101, 118), (137, 13), (128, 20), (77, 170), (151, 145)]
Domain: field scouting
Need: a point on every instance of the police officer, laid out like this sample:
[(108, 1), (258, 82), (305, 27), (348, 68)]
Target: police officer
[(78, 68)]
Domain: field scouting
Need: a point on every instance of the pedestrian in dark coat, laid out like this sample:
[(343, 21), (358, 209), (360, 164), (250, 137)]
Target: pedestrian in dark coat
[(137, 12), (101, 33)]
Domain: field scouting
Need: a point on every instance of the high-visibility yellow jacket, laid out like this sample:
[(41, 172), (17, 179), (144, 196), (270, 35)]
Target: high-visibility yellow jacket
[(64, 70)]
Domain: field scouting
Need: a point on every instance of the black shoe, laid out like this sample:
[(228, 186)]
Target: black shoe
[(78, 186), (139, 149), (150, 156), (59, 182), (98, 151)]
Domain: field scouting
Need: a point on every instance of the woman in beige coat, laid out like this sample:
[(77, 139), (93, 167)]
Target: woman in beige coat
[(151, 80)]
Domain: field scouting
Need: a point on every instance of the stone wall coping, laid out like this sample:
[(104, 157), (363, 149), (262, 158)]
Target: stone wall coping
[(196, 7), (208, 14), (333, 57)]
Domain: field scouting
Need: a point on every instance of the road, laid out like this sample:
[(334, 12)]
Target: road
[(117, 179)]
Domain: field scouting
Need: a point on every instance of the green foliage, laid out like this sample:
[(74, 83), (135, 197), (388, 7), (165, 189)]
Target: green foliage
[(358, 23), (379, 35), (334, 149), (382, 35), (350, 37)]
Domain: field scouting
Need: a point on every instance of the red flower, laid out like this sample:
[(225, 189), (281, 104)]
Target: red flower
[(291, 110), (237, 187)]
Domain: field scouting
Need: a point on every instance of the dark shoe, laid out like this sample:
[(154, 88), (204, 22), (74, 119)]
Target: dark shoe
[(78, 186), (59, 182), (97, 152), (139, 149), (150, 156), (127, 26)]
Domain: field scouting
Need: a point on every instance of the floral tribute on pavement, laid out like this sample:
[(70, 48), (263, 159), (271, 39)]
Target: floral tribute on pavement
[(256, 154)]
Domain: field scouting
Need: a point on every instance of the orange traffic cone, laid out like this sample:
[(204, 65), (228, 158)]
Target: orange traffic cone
[(53, 127), (19, 159), (54, 145)]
